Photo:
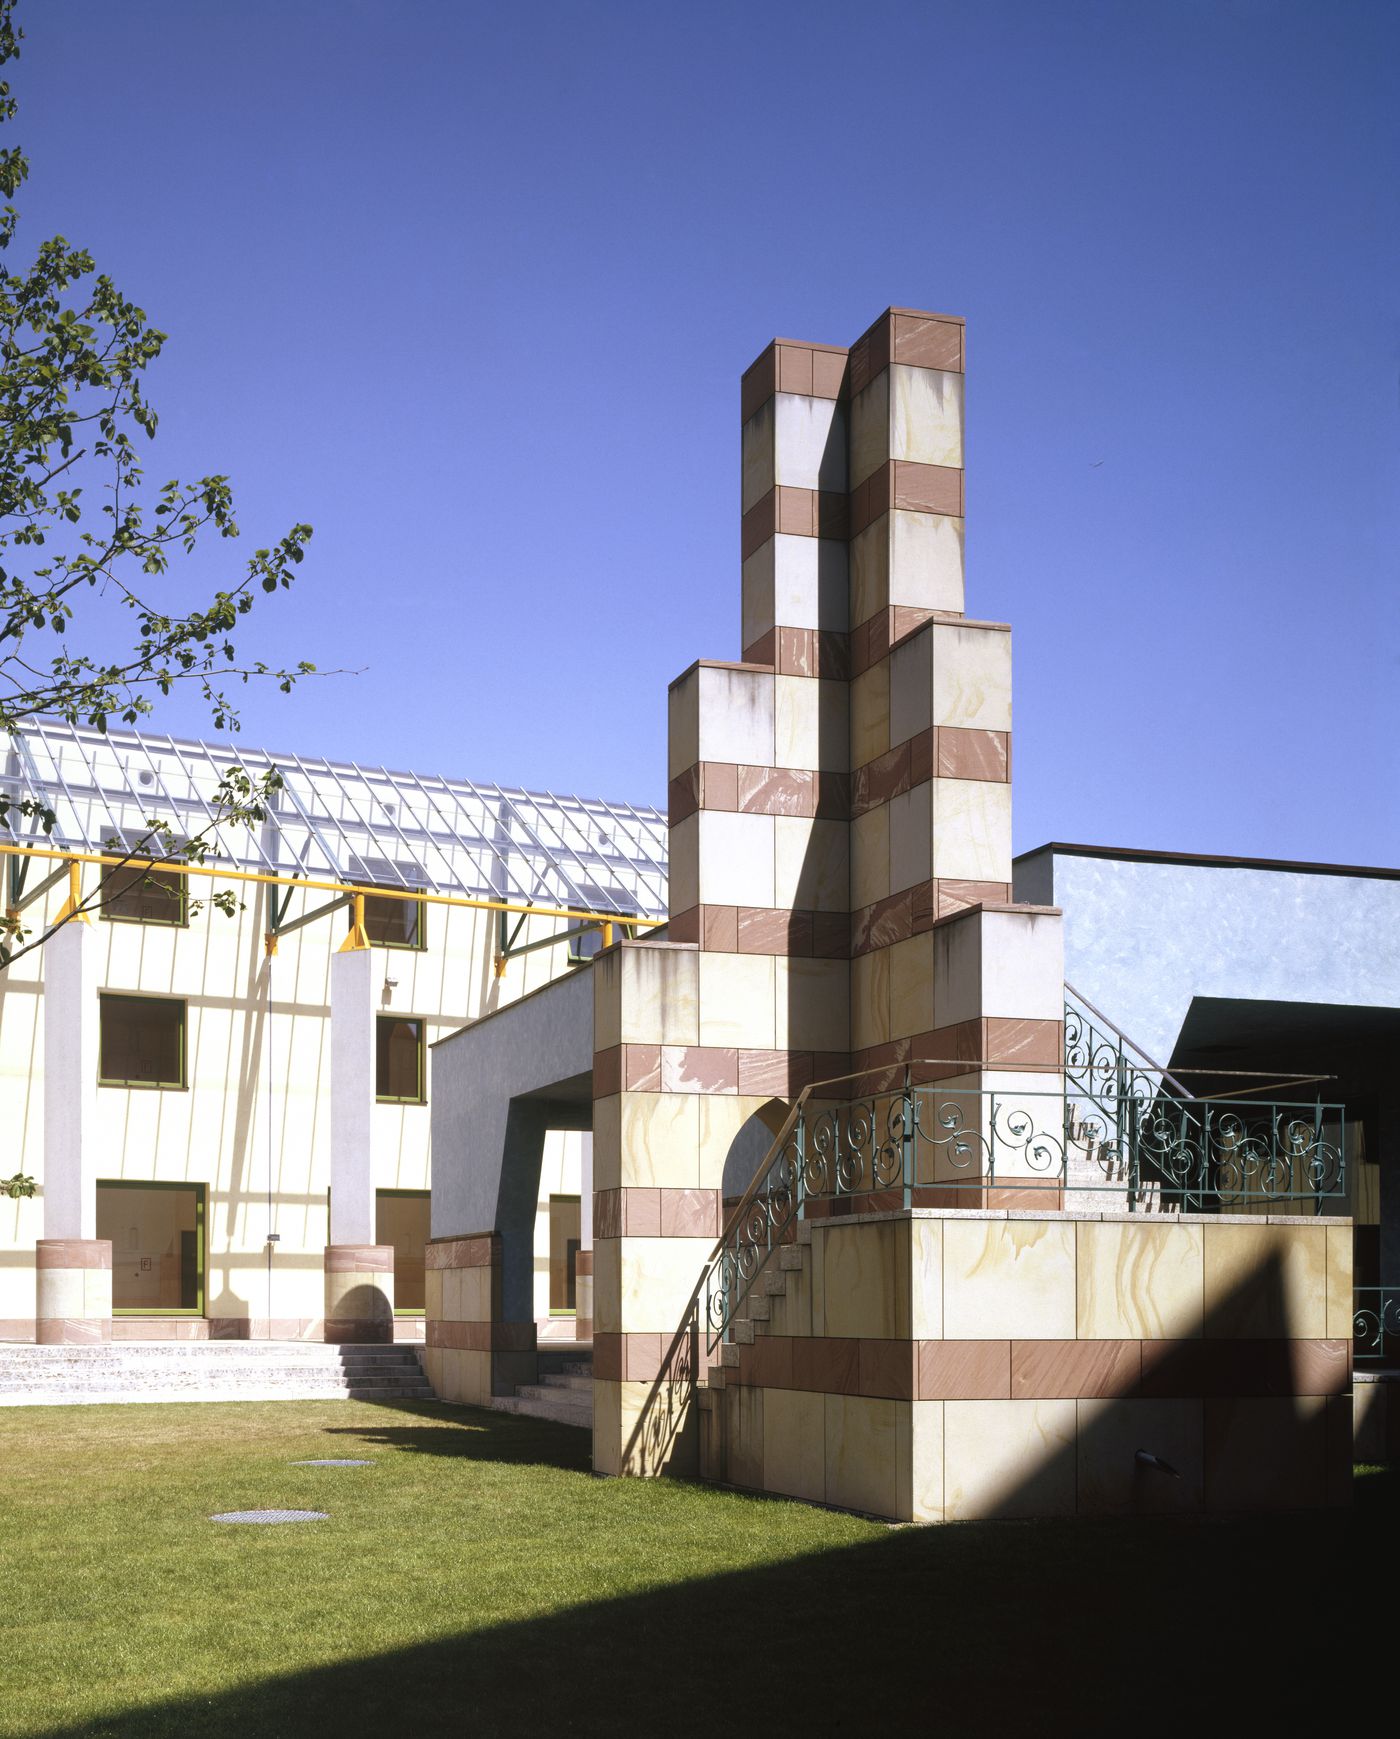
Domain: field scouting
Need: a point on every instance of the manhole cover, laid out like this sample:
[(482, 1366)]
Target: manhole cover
[(272, 1516), (331, 1464)]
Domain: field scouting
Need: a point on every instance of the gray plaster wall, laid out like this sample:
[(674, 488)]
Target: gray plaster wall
[(498, 1087), (1142, 939)]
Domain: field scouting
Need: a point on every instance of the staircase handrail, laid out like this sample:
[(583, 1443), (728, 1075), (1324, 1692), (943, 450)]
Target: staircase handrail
[(1179, 1087)]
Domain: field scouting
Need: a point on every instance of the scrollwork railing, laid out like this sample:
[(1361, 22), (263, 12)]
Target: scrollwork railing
[(1375, 1324)]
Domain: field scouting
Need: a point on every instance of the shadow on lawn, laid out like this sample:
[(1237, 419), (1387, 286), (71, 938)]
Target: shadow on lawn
[(1124, 1627), (475, 1434)]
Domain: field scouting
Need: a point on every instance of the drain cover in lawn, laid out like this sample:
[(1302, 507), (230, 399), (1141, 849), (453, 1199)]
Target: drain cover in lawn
[(331, 1464), (272, 1516)]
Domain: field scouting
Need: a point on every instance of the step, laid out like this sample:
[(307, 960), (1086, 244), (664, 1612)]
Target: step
[(555, 1408), (743, 1332), (759, 1308), (775, 1285), (790, 1257), (572, 1383)]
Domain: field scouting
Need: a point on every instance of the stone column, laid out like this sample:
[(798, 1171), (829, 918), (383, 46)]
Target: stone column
[(583, 1272), (73, 1265), (359, 1272)]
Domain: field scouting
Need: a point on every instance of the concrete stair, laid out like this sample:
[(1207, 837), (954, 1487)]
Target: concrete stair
[(122, 1371), (564, 1395), (774, 1305)]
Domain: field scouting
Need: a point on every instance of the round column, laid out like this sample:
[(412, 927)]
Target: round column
[(73, 1285), (359, 1292)]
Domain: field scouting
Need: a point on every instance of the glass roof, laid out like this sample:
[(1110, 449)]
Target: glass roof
[(334, 820)]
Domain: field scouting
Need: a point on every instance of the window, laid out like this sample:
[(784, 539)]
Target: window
[(564, 1217), (401, 1219), (141, 1041), (398, 1062), (390, 923), (144, 896), (157, 1236)]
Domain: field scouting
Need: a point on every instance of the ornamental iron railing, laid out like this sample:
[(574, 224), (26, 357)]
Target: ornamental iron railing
[(936, 1145), (1376, 1325)]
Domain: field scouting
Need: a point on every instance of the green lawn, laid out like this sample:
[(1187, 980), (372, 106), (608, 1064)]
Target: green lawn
[(477, 1580)]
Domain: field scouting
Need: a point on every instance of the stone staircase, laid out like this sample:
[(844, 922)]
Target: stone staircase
[(564, 1392), (37, 1376), (779, 1303)]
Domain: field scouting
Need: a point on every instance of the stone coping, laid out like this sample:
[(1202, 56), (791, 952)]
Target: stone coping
[(1168, 1218), (1390, 1375)]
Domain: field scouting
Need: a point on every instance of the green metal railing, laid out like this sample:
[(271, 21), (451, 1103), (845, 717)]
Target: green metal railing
[(1376, 1325), (935, 1145)]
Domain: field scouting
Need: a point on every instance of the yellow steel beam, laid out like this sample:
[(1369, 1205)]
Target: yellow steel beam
[(262, 877)]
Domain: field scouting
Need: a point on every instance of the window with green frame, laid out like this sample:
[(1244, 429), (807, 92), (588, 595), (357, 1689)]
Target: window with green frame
[(398, 1060), (141, 1041), (390, 923), (156, 1231), (144, 896)]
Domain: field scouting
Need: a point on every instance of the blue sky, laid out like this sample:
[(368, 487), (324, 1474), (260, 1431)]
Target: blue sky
[(470, 288)]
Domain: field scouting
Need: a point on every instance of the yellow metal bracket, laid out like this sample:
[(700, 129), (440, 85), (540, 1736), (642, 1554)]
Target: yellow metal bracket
[(357, 938), (71, 911)]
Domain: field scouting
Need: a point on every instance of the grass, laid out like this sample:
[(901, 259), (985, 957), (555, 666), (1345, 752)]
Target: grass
[(477, 1580)]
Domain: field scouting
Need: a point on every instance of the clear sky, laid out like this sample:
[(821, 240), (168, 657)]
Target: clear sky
[(470, 288)]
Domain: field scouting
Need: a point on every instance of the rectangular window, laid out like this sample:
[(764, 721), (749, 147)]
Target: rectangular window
[(393, 923), (398, 1063), (144, 896), (157, 1236), (401, 1219), (141, 1041), (564, 1225)]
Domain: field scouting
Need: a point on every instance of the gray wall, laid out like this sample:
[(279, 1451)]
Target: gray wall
[(498, 1086), (1143, 939)]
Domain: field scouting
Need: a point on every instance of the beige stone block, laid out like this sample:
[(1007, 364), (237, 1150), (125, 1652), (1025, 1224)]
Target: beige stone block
[(1008, 1458), (607, 1286), (660, 1139), (926, 415), (925, 1456), (1111, 1480), (971, 830), (813, 1004), (870, 428), (1140, 1282), (809, 582), (736, 716), (1022, 965), (606, 974), (474, 1377), (60, 1292), (866, 1280), (756, 596), (744, 1407), (757, 446), (1264, 1281), (870, 713), (911, 837), (809, 442), (97, 1293), (684, 889), (870, 999), (736, 859), (794, 1444), (475, 1304), (971, 677), (683, 724), (811, 864), (911, 683), (659, 1276), (870, 571), (862, 1453), (926, 564), (432, 1291), (926, 1280), (607, 1142), (737, 1000), (911, 987), (1265, 1453), (722, 1117), (660, 995), (658, 1429), (1340, 1304), (870, 857), (1009, 1279), (452, 1288), (811, 724), (607, 1427)]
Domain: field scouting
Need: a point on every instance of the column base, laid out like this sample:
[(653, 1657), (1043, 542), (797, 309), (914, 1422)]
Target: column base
[(359, 1292), (73, 1291)]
